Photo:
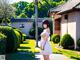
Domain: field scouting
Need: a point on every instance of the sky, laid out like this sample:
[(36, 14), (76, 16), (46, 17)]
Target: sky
[(12, 1)]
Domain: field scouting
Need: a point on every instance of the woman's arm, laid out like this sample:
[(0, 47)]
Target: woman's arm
[(43, 45), (46, 37)]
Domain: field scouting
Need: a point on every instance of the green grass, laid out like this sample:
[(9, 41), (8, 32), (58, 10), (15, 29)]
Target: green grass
[(27, 49), (75, 55), (24, 52), (28, 45)]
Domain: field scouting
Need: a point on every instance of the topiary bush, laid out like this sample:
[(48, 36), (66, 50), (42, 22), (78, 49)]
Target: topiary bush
[(67, 42), (78, 43), (18, 40), (55, 38), (12, 43), (2, 43), (19, 34), (32, 32), (24, 36)]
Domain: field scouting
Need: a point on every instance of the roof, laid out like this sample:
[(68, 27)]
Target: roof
[(27, 19), (71, 4), (56, 9)]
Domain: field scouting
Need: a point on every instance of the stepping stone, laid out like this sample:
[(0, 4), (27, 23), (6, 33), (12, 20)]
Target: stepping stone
[(52, 57)]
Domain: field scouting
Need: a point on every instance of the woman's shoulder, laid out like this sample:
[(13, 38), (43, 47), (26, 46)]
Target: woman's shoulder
[(47, 30)]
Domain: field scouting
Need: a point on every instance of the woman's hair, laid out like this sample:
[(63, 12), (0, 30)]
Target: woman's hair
[(45, 22)]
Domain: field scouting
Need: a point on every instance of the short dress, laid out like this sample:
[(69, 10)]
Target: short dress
[(47, 48)]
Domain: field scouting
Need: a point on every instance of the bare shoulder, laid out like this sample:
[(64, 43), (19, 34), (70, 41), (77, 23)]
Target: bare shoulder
[(48, 30)]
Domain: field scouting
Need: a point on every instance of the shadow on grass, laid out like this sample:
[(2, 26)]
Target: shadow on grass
[(59, 52), (24, 48), (75, 58)]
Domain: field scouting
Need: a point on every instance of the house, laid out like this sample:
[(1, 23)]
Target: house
[(66, 18)]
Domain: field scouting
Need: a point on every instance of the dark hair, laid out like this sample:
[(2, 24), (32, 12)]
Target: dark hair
[(45, 22)]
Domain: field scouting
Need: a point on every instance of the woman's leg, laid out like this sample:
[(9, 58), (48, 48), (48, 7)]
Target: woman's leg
[(46, 57)]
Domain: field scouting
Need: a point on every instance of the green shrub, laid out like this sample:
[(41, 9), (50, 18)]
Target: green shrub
[(55, 38), (11, 45), (24, 36), (27, 37), (67, 42), (39, 30), (20, 34), (18, 38), (2, 43), (32, 32), (78, 43)]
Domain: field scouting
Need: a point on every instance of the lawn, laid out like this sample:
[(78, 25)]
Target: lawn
[(75, 55), (27, 51), (24, 52), (28, 45)]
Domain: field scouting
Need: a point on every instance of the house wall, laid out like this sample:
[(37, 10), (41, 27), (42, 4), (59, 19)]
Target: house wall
[(78, 25), (70, 27)]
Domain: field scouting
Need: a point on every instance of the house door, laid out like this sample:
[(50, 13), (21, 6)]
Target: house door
[(57, 26)]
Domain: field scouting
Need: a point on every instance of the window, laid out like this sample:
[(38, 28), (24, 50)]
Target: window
[(22, 26), (66, 17)]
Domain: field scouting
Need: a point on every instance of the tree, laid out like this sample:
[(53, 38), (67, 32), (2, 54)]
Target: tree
[(43, 7), (29, 10), (20, 6), (22, 15), (6, 11)]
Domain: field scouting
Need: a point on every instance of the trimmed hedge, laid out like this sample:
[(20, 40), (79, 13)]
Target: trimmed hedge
[(78, 43), (12, 40), (19, 34), (32, 32), (24, 36), (18, 38), (2, 43), (55, 38), (67, 42)]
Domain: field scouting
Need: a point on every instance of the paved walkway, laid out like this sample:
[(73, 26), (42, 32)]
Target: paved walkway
[(52, 57)]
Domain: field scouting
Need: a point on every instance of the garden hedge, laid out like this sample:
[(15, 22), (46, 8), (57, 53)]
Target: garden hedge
[(12, 40), (55, 38), (32, 32), (19, 34), (23, 36), (2, 43), (18, 38), (67, 42), (78, 43)]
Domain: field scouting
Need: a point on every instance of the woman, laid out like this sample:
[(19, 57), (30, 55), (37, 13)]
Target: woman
[(44, 44)]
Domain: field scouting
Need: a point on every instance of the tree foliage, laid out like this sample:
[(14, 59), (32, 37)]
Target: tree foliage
[(43, 7), (22, 15), (20, 7), (6, 10)]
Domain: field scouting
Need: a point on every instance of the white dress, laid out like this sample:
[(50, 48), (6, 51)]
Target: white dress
[(47, 48)]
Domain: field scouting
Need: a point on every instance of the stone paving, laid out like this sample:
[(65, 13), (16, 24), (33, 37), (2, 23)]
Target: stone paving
[(52, 57)]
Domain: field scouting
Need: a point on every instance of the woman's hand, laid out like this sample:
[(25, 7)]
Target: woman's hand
[(46, 38), (42, 48)]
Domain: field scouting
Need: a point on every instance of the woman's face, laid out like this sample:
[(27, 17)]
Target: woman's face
[(45, 26)]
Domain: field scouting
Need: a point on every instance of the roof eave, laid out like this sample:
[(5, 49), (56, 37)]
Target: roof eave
[(68, 11)]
